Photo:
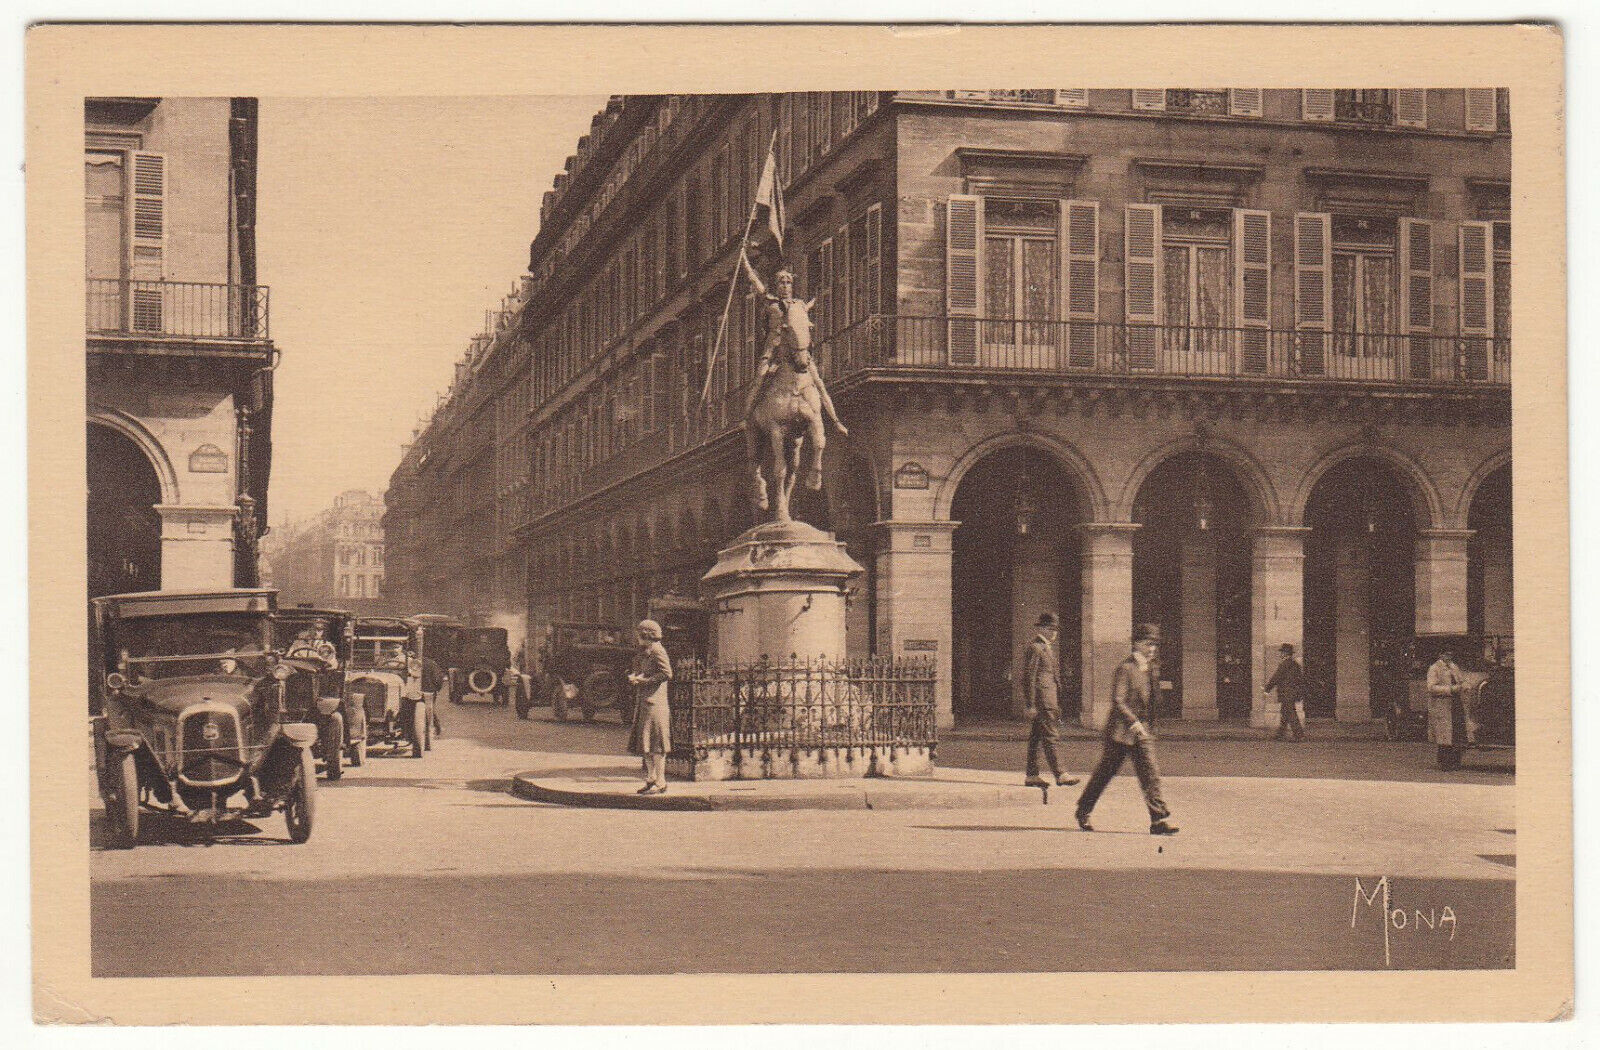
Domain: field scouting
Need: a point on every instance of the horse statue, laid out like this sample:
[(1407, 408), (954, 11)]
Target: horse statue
[(787, 403)]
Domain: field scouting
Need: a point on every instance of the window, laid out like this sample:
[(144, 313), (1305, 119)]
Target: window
[(1197, 279), (1197, 100), (1365, 286), (1020, 273), (1364, 106), (105, 203), (1502, 287), (344, 586)]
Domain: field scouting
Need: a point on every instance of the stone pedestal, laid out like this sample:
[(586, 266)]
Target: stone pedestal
[(778, 592)]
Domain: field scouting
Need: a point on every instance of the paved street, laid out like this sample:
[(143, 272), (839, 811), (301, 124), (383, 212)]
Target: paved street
[(431, 867)]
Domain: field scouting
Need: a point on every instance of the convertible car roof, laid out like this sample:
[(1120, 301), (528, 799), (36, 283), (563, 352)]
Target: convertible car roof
[(178, 603)]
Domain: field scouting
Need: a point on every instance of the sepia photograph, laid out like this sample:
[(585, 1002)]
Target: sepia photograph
[(884, 531)]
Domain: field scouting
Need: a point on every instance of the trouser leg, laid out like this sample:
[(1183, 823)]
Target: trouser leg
[(1144, 765), (1296, 726), (1111, 756), (1048, 725), (655, 765)]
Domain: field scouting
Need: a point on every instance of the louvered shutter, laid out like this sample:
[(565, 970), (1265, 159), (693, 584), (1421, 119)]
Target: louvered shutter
[(1481, 109), (824, 286), (963, 275), (1411, 107), (1313, 267), (1316, 104), (1080, 268), (1244, 102), (1252, 286), (1149, 98), (1141, 268), (1475, 295), (1072, 98), (149, 240), (1416, 293), (874, 303), (843, 307)]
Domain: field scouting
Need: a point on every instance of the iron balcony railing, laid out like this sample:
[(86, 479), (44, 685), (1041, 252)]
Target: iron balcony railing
[(177, 309), (957, 344), (765, 708)]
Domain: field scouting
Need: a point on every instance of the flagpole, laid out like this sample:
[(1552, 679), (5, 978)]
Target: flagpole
[(744, 241)]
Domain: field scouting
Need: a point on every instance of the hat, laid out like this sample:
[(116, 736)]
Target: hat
[(650, 629), (1285, 648), (1147, 632), (1046, 620)]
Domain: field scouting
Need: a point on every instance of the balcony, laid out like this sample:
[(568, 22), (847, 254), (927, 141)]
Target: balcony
[(178, 311), (964, 344)]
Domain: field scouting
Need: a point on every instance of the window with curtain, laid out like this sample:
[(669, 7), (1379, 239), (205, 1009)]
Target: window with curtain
[(1197, 279), (1366, 291), (1020, 259)]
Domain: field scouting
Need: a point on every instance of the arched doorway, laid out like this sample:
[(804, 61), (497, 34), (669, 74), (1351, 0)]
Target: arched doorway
[(1489, 582), (124, 528), (1016, 555), (1360, 589), (1191, 575)]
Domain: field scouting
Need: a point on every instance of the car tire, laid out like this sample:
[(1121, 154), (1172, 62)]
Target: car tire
[(300, 807), (419, 728), (558, 700), (1449, 757), (358, 753), (333, 746), (122, 811)]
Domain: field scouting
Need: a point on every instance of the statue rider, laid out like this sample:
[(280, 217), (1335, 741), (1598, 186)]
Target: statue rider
[(786, 322)]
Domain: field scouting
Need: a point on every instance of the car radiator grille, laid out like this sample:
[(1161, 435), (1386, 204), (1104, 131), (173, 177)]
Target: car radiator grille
[(372, 695), (210, 746)]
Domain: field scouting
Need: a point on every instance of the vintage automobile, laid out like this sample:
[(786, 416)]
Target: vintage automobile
[(482, 670), (315, 643), (385, 682), (1482, 716), (194, 712), (586, 665)]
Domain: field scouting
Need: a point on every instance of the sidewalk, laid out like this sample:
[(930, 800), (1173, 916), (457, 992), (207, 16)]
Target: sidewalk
[(1317, 729)]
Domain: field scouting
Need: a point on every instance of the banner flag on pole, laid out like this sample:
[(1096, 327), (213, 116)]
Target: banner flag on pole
[(769, 197)]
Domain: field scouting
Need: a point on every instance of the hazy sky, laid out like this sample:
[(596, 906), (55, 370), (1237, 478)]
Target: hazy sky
[(386, 227)]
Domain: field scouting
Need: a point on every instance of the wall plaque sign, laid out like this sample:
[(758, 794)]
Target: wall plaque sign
[(922, 645), (208, 459), (911, 476)]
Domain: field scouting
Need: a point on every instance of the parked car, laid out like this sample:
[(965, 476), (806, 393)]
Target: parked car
[(586, 667), (385, 682), (194, 712), (1483, 716), (482, 670), (315, 643), (437, 639)]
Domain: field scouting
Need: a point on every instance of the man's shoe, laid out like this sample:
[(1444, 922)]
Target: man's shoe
[(1161, 827), (1036, 781), (1062, 780), (659, 789), (647, 789), (1083, 822)]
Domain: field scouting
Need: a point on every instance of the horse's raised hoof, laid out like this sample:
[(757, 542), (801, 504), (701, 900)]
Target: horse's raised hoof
[(814, 480)]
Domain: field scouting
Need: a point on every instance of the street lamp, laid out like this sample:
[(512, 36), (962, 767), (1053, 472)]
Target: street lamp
[(1023, 506), (1203, 507)]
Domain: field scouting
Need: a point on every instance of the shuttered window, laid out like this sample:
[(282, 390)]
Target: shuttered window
[(1141, 263), (842, 312), (1149, 98), (1411, 108), (1244, 102), (1316, 104), (1481, 109), (1080, 268), (1475, 296), (874, 278), (823, 286), (963, 235), (1313, 263), (1416, 293), (149, 239), (1252, 286)]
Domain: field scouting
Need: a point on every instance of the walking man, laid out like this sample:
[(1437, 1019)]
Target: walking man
[(1132, 689), (652, 725), (1289, 681), (1041, 684)]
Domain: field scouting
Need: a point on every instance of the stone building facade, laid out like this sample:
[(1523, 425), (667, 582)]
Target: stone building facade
[(336, 560), (179, 392), (1233, 361)]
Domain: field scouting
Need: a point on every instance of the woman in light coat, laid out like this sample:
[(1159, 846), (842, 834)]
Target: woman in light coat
[(652, 731)]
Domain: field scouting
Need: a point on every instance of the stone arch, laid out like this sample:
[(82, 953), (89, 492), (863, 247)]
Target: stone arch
[(1246, 469), (1469, 491), (135, 431), (1071, 461), (1427, 508)]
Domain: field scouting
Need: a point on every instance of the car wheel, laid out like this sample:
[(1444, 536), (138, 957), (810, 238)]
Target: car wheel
[(419, 728), (1449, 757), (333, 746), (300, 808), (558, 700), (358, 753), (122, 811)]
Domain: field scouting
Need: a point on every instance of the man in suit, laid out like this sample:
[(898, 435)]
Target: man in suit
[(1289, 681), (1041, 685), (1125, 736), (652, 722)]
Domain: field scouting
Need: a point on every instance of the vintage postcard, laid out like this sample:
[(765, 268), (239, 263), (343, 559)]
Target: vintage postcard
[(710, 525)]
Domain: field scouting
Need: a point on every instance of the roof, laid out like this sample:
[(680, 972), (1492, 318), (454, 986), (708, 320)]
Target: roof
[(301, 612), (179, 603)]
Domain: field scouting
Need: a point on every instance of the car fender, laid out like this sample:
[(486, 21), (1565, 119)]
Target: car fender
[(299, 734), (327, 705), (122, 740)]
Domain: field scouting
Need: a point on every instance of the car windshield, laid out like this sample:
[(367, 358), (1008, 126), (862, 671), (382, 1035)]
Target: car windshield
[(589, 636), (379, 652), (172, 646)]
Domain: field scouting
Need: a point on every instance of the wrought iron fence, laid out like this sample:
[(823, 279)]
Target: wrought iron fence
[(177, 308), (1088, 347), (802, 705)]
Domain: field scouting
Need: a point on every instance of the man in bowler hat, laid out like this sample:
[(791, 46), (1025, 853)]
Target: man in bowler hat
[(1289, 681), (1041, 685), (1132, 691)]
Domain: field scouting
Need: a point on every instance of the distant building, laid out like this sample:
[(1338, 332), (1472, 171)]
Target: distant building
[(336, 560), (179, 391), (1237, 362)]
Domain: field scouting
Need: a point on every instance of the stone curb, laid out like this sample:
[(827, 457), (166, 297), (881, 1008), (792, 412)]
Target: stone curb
[(877, 793)]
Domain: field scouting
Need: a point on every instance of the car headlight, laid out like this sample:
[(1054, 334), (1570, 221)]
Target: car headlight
[(281, 671), (116, 682)]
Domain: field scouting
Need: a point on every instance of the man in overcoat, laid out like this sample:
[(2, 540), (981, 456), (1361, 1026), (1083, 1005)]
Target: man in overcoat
[(1133, 688), (1041, 684), (652, 723), (1289, 681)]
